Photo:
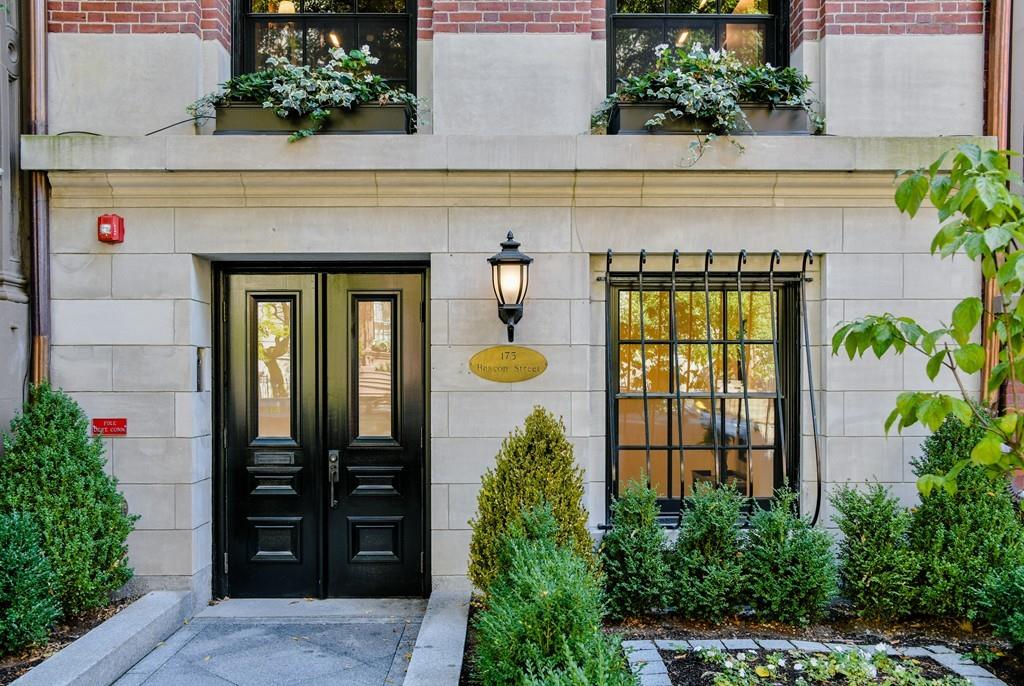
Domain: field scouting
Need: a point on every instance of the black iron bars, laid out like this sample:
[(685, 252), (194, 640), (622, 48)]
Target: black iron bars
[(780, 425), (709, 259), (742, 260), (809, 259)]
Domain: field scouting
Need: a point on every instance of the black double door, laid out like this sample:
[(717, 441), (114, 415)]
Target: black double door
[(323, 412)]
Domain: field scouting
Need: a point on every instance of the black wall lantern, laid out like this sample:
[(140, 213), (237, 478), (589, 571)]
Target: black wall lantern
[(510, 276)]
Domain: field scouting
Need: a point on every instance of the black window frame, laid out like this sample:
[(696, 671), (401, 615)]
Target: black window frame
[(787, 285), (776, 24), (243, 24)]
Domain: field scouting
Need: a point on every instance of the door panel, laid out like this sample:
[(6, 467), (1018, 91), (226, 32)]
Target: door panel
[(375, 419), (324, 458), (273, 436)]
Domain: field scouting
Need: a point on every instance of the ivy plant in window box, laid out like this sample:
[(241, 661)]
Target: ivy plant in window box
[(342, 96), (710, 93)]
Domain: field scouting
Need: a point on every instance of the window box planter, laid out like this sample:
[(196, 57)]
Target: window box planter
[(777, 120), (628, 118), (244, 118)]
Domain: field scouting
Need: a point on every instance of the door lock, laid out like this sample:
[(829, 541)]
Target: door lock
[(333, 474)]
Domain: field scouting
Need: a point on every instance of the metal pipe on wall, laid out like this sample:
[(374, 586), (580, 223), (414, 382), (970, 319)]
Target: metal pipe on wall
[(997, 123), (39, 198)]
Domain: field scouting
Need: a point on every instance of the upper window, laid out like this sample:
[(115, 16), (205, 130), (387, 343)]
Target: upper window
[(304, 32), (678, 419), (748, 28)]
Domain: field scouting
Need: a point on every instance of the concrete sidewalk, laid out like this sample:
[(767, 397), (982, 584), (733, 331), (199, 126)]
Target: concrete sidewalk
[(279, 642)]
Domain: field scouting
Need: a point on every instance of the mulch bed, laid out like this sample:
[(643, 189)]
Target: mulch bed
[(13, 666), (961, 637), (689, 668)]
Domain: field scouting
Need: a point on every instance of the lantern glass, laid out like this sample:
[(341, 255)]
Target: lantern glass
[(510, 281)]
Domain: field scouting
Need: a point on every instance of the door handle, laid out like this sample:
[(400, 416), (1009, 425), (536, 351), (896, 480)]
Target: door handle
[(333, 474)]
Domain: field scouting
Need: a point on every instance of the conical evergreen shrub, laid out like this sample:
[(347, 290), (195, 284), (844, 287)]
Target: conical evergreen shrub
[(53, 470), (961, 538), (535, 465)]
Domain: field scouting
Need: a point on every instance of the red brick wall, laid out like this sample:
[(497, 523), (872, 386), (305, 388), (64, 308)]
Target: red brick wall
[(507, 16), (210, 19), (813, 19)]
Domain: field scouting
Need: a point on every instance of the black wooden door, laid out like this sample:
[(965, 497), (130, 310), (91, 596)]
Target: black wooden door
[(324, 432), (273, 466), (375, 434)]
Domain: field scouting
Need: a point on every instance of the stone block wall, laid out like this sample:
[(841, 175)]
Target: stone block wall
[(130, 320)]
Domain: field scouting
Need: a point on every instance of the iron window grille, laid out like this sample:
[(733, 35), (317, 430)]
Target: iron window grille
[(756, 30), (676, 418), (304, 31)]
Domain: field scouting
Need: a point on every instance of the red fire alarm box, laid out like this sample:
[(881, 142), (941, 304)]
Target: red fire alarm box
[(110, 228)]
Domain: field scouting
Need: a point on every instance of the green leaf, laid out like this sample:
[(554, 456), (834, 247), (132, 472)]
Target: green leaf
[(893, 416), (966, 316), (970, 357), (911, 192), (932, 412), (837, 338), (928, 482), (961, 409), (990, 191), (989, 450), (934, 365), (1007, 423)]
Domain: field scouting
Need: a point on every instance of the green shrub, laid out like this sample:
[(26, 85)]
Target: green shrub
[(633, 554), (600, 662), (707, 578), (28, 606), (53, 470), (534, 465), (1000, 602), (790, 570), (877, 568), (545, 602), (961, 538)]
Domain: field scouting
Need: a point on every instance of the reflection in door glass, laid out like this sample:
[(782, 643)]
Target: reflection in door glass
[(274, 368), (375, 370)]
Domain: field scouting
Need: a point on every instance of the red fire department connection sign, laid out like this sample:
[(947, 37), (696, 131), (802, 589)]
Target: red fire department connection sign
[(110, 426)]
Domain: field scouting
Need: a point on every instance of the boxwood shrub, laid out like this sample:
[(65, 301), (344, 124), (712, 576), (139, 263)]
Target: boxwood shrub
[(789, 565), (707, 569), (535, 465), (633, 554), (877, 568), (961, 538), (28, 603), (54, 471), (543, 613), (1000, 602)]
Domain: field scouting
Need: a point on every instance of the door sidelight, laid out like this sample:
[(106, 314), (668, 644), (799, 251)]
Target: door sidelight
[(333, 474)]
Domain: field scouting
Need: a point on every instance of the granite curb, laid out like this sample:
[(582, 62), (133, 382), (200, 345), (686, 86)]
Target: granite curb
[(112, 648), (437, 656)]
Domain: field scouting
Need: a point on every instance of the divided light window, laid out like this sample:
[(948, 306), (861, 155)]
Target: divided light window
[(729, 433), (304, 31), (752, 29)]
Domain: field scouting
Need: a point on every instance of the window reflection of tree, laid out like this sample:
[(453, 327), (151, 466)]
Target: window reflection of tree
[(274, 347), (278, 39)]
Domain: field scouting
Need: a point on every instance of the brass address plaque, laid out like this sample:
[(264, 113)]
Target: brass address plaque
[(508, 363)]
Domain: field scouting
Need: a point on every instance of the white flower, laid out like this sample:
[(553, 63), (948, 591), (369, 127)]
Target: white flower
[(365, 49), (814, 662), (798, 666), (782, 662), (728, 664), (659, 49), (741, 656), (742, 672)]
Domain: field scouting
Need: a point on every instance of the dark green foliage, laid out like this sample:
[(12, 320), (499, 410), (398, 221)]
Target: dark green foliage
[(28, 606), (54, 471), (1000, 602), (545, 605), (707, 579), (961, 538), (535, 465), (877, 568), (633, 554), (600, 662), (791, 573)]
